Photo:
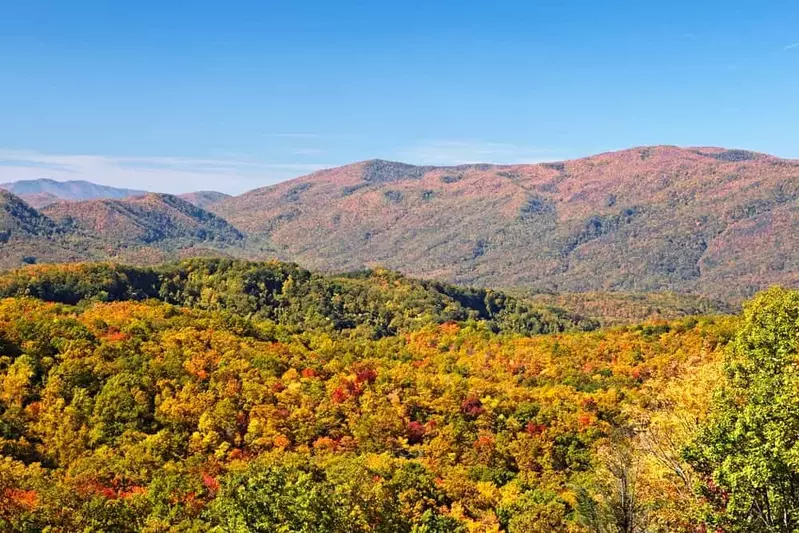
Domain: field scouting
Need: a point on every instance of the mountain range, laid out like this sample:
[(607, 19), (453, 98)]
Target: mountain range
[(711, 221)]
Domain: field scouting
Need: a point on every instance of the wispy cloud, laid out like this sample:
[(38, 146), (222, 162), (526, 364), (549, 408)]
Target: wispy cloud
[(464, 152), (293, 135), (791, 46), (308, 151), (162, 174)]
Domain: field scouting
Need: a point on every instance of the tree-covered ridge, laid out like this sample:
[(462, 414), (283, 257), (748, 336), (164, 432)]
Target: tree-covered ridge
[(67, 190), (649, 219), (144, 416), (618, 308), (149, 229), (18, 220), (377, 302), (150, 219)]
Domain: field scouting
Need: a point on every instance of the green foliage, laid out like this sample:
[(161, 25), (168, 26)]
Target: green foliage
[(378, 303), (748, 446), (271, 499)]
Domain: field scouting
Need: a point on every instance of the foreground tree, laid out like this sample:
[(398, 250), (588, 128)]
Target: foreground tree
[(748, 449), (614, 503)]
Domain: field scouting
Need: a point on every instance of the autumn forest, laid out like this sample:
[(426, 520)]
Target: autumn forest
[(219, 395)]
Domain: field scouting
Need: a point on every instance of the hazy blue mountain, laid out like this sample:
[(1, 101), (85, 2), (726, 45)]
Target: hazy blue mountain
[(36, 191)]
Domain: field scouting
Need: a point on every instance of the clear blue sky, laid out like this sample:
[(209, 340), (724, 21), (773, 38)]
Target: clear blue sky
[(232, 95)]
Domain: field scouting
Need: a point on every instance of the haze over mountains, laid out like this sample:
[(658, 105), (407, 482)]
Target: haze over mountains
[(704, 220), (41, 192)]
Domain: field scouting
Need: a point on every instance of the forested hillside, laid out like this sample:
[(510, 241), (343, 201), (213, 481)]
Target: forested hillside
[(144, 229), (377, 303), (704, 220), (233, 396), (691, 221)]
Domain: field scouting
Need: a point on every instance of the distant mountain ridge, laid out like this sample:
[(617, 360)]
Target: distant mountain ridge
[(44, 192), (39, 191), (709, 221)]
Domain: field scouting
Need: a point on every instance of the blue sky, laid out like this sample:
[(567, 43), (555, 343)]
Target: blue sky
[(177, 96)]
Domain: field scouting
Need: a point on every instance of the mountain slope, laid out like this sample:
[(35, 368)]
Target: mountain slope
[(18, 220), (204, 199), (26, 235), (263, 395), (152, 218), (144, 229), (39, 199), (707, 220), (38, 191)]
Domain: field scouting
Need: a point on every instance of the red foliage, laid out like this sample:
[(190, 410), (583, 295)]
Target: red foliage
[(27, 499), (367, 375), (210, 483), (472, 407), (132, 491), (114, 335), (325, 443), (517, 368), (415, 432), (535, 429), (484, 443), (339, 395)]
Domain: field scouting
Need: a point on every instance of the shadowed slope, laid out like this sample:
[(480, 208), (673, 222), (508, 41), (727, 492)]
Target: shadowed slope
[(145, 219)]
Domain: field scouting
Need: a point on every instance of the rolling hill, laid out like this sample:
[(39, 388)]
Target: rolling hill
[(141, 229), (204, 199), (144, 219), (26, 235), (706, 220)]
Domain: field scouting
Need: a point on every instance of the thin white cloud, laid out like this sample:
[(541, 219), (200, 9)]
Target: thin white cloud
[(309, 151), (161, 174), (293, 135), (462, 152), (791, 46)]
